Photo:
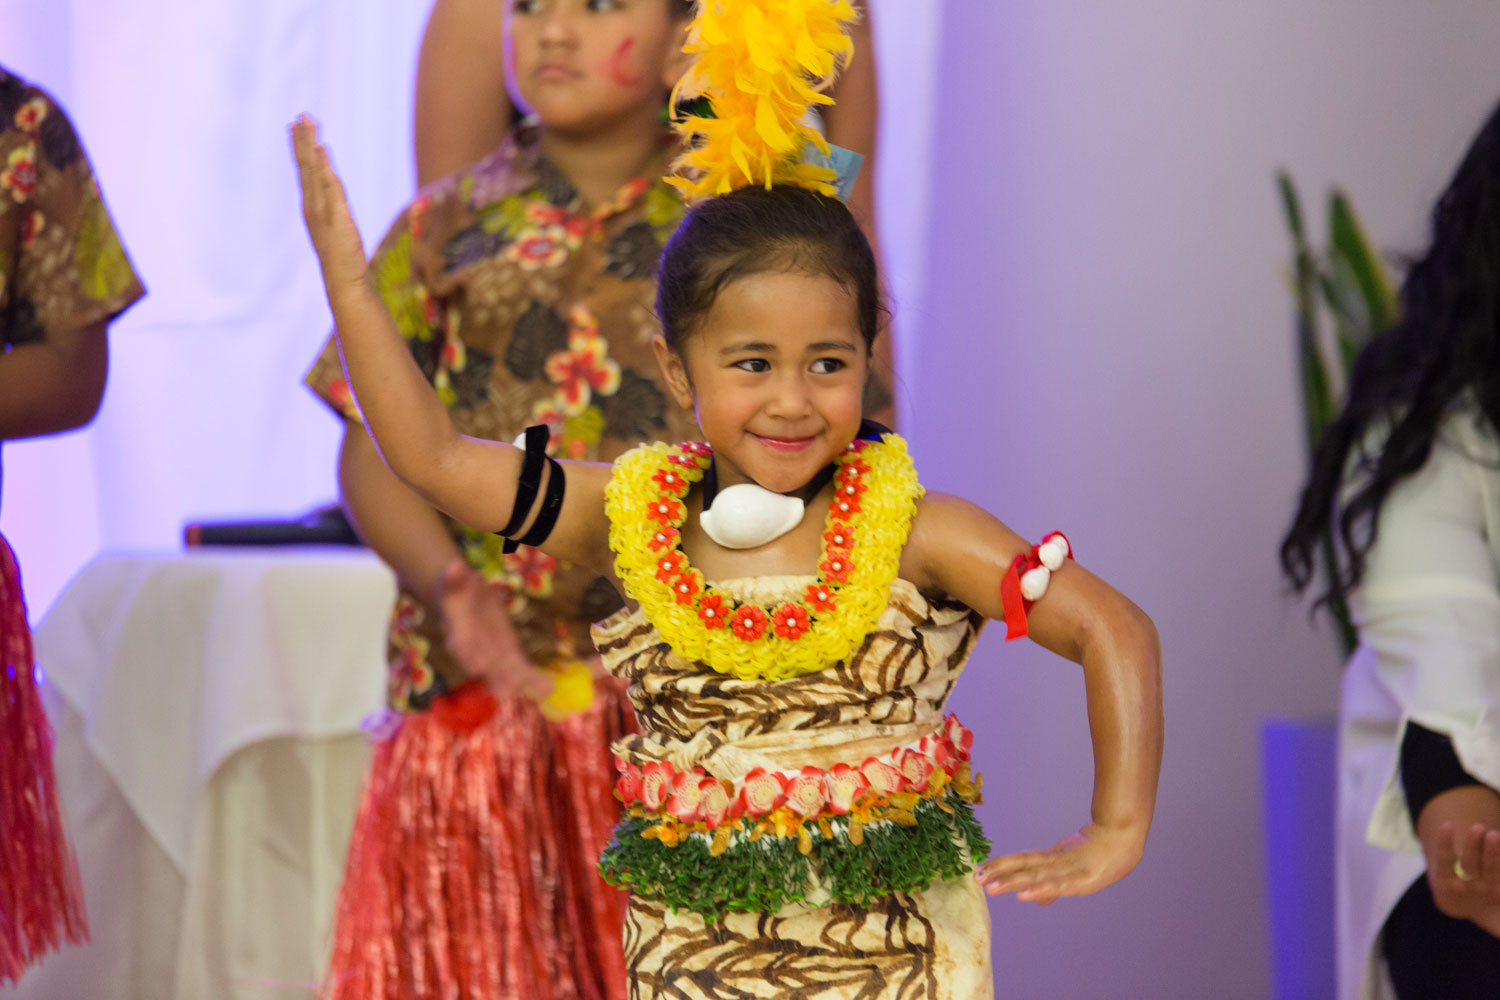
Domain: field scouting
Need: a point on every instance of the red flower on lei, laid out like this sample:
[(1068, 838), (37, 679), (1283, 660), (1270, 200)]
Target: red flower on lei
[(712, 612), (687, 586), (791, 621), (820, 597), (749, 622)]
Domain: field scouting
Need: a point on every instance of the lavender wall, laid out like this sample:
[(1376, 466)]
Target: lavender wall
[(1103, 345)]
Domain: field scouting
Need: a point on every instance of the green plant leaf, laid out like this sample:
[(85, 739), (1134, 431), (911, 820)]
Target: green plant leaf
[(1291, 207), (1349, 244)]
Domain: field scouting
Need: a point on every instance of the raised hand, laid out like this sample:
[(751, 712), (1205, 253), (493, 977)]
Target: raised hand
[(1464, 873), (326, 211), (481, 636), (1078, 865)]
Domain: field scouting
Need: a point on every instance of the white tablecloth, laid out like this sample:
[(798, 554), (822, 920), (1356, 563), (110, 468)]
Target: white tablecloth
[(209, 753)]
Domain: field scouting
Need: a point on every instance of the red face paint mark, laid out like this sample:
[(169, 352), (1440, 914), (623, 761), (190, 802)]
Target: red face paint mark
[(619, 71)]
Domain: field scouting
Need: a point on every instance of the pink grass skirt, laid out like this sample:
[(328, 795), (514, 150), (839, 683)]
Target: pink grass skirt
[(41, 901), (472, 871)]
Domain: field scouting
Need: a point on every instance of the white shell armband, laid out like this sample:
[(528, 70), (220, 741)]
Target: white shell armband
[(1027, 580)]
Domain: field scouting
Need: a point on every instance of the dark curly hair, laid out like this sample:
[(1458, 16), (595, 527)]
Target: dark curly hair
[(1445, 347), (755, 231)]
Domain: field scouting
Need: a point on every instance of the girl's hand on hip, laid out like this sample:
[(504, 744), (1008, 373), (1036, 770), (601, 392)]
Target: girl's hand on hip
[(1079, 865)]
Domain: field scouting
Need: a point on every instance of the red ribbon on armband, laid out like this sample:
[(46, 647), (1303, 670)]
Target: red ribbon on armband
[(1026, 580)]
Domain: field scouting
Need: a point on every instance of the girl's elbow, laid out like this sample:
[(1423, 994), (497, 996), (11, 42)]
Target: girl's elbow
[(1126, 632)]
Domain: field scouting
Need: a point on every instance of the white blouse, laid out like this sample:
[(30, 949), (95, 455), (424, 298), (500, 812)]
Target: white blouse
[(1428, 613)]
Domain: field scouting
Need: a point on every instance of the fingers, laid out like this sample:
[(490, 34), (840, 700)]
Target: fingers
[(1036, 876), (305, 148), (1470, 847), (1459, 856), (1464, 874), (1489, 864), (321, 187)]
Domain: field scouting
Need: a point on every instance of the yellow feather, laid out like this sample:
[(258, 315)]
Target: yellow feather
[(762, 63)]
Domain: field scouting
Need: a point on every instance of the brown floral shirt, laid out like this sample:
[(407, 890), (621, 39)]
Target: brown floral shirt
[(525, 306), (61, 264)]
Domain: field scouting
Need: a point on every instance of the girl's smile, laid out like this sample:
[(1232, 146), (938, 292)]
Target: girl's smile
[(784, 443)]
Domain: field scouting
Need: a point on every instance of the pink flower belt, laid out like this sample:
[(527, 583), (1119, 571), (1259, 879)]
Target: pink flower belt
[(883, 787)]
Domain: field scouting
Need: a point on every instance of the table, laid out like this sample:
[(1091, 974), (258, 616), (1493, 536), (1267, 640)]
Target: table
[(209, 754)]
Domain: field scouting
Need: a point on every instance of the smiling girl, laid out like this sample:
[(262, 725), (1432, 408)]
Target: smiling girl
[(798, 809)]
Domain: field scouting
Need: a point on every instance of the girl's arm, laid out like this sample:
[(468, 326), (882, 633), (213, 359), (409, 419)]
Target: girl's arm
[(853, 122), (410, 537), (961, 550), (472, 479), (462, 107), (54, 384)]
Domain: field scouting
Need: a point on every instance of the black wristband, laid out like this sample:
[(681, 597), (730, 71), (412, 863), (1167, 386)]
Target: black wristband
[(546, 518), (537, 436)]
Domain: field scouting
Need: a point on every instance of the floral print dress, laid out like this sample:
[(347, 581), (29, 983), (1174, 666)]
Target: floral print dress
[(62, 266)]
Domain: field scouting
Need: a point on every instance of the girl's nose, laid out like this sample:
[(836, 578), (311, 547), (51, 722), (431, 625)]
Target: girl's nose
[(559, 23), (790, 397)]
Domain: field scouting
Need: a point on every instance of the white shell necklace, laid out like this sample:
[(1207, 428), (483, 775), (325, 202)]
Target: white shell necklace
[(748, 515)]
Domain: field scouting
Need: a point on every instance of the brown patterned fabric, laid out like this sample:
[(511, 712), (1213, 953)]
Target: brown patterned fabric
[(525, 306), (61, 263), (932, 945)]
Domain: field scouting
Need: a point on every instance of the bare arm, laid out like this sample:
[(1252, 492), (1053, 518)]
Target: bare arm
[(471, 479), (462, 107), (54, 384), (853, 122), (961, 550), (401, 527), (411, 538)]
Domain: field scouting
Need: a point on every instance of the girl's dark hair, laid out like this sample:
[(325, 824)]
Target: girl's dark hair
[(1445, 346), (755, 231)]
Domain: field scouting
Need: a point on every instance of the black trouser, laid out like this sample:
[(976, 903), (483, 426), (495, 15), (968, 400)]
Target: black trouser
[(1433, 956)]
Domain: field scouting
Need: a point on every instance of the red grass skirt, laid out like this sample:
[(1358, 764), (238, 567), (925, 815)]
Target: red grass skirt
[(41, 901), (472, 871)]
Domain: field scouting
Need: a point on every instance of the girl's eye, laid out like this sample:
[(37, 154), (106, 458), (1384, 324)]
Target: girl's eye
[(526, 6), (598, 5), (756, 365), (827, 366)]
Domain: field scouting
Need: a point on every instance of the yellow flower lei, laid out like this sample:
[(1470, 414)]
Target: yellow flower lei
[(880, 525)]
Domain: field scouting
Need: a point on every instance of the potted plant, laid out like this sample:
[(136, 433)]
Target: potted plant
[(1344, 297)]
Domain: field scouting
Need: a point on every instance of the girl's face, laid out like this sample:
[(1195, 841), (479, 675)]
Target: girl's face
[(776, 372), (583, 64)]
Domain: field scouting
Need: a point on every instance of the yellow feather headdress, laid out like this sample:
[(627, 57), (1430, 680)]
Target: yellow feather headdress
[(762, 64)]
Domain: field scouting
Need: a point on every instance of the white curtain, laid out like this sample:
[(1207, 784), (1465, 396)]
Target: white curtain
[(183, 107)]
